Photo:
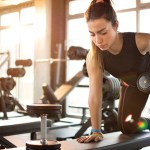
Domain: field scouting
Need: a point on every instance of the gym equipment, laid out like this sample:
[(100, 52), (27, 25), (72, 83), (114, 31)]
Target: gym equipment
[(111, 86), (16, 72), (112, 141), (23, 62), (5, 58), (5, 143), (7, 100), (19, 125), (53, 97), (51, 60), (143, 82), (77, 53), (109, 120), (110, 89), (43, 110), (74, 53)]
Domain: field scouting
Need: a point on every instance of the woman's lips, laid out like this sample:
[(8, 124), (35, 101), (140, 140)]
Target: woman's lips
[(102, 46)]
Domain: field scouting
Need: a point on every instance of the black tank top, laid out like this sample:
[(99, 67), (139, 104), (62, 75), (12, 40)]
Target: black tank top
[(129, 63)]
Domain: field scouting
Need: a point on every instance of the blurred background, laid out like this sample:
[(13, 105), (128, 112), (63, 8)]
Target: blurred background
[(43, 29)]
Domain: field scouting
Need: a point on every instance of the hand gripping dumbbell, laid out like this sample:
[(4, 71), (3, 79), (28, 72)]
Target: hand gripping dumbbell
[(43, 110), (143, 82)]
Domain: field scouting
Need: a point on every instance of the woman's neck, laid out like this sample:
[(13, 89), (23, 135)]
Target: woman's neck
[(117, 45)]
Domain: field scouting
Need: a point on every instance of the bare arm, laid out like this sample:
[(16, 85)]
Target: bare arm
[(95, 94), (95, 99), (143, 42)]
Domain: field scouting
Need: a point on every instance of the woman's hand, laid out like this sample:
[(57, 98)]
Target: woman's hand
[(94, 137)]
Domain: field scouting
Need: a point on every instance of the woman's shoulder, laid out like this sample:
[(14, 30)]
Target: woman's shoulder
[(143, 42), (127, 34)]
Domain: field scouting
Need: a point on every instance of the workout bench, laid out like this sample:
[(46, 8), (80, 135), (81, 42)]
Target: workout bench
[(57, 96), (112, 141)]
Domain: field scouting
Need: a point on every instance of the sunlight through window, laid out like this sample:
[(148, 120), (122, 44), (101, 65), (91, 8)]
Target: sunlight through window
[(124, 4), (145, 1), (10, 19), (18, 38), (144, 24), (78, 6), (124, 24)]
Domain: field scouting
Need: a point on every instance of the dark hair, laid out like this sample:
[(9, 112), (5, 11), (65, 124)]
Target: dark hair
[(101, 10)]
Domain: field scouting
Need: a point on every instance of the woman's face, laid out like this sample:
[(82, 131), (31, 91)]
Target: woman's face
[(102, 33)]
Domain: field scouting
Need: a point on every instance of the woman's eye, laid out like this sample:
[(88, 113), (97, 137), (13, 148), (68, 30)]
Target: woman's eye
[(103, 33), (92, 34)]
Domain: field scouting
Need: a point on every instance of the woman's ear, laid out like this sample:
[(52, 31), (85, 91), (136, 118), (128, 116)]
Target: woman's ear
[(116, 25)]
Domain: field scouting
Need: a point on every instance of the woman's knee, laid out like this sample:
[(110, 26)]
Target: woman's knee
[(128, 128)]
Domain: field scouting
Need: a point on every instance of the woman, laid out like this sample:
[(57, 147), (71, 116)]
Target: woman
[(125, 56)]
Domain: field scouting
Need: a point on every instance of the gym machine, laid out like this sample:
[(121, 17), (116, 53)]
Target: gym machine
[(57, 96), (7, 100), (5, 58)]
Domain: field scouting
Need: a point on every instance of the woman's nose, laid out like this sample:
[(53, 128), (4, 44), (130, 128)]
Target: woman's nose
[(98, 40)]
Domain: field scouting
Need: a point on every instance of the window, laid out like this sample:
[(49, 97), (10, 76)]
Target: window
[(78, 28), (78, 6), (9, 36), (17, 37), (124, 24), (145, 1), (124, 4), (144, 24), (77, 35), (27, 52)]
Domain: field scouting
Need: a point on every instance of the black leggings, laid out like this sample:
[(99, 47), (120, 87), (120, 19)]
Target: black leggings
[(131, 104)]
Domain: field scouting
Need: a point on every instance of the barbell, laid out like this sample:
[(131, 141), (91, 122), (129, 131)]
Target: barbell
[(74, 53), (51, 60)]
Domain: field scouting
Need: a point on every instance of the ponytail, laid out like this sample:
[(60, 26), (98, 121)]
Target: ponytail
[(101, 9), (109, 2), (102, 1)]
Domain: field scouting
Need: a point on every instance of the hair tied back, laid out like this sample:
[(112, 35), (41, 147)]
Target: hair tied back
[(99, 1), (102, 1)]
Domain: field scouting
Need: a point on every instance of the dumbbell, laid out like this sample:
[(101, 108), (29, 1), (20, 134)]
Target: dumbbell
[(43, 110), (110, 117), (143, 82)]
